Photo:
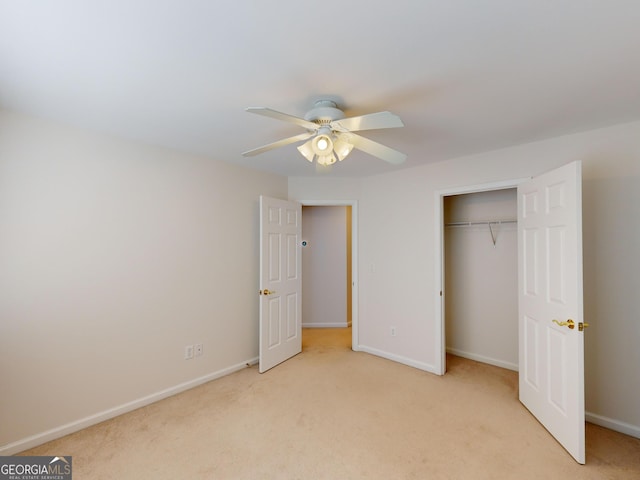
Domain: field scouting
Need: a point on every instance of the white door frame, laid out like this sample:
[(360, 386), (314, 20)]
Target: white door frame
[(440, 347), (354, 258)]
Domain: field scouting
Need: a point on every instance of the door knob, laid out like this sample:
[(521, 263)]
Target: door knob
[(266, 291), (569, 323)]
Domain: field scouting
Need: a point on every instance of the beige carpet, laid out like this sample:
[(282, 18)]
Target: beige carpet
[(330, 413)]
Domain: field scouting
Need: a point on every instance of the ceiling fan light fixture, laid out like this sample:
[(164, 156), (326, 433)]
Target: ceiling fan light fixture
[(327, 160), (342, 148), (306, 150), (322, 143)]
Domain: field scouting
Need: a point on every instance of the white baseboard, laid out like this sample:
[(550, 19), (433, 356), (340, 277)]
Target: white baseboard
[(483, 359), (325, 325), (398, 358), (611, 424), (62, 430)]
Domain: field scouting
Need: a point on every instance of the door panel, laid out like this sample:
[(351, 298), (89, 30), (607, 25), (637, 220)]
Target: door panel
[(280, 281), (550, 294), (532, 376), (274, 322)]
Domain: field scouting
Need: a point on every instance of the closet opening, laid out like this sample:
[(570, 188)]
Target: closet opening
[(481, 276), (477, 274)]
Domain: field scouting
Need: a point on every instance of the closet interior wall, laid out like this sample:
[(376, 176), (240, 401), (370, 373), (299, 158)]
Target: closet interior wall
[(481, 277)]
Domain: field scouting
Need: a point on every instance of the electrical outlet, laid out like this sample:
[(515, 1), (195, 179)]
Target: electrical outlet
[(393, 331), (188, 352), (198, 349)]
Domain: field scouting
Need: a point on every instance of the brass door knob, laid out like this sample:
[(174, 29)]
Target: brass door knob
[(569, 323)]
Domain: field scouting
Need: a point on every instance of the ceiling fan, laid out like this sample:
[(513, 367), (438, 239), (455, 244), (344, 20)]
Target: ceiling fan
[(330, 136)]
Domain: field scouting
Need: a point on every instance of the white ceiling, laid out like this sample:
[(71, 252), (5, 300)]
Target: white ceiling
[(465, 76)]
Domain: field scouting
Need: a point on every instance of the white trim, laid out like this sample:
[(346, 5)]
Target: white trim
[(325, 325), (611, 424), (440, 347), (481, 358), (354, 257), (71, 427), (398, 358)]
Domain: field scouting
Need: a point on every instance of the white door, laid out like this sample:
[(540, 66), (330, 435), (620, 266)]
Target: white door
[(280, 281), (551, 347)]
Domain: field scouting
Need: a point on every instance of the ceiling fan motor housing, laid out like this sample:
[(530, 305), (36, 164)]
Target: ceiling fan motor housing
[(324, 112)]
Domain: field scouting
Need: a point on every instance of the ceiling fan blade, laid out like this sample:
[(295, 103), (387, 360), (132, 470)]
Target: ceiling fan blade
[(371, 121), (377, 149), (279, 143), (268, 112)]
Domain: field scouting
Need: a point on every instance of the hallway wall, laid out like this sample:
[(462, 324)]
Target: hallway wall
[(325, 266)]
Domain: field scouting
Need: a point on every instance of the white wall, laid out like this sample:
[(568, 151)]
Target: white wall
[(481, 278), (324, 266), (397, 282), (113, 257)]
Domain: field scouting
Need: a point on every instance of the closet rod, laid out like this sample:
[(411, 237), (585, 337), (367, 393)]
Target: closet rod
[(468, 224), (491, 224)]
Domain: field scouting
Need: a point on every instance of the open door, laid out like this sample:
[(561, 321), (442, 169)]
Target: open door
[(551, 346), (280, 281)]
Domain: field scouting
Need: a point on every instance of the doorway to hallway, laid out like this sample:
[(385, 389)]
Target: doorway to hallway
[(329, 244), (326, 339)]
